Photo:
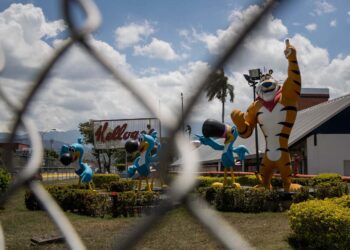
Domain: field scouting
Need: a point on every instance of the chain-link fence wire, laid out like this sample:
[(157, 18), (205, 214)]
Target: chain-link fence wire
[(179, 191)]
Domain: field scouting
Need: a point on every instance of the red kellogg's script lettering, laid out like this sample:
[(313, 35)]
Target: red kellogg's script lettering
[(118, 133), (99, 134)]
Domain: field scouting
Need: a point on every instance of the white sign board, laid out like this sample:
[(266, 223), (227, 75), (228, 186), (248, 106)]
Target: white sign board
[(109, 134)]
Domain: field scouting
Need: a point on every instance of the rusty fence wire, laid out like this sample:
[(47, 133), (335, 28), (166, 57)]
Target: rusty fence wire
[(180, 188)]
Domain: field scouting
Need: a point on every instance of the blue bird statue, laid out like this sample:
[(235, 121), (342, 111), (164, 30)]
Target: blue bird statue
[(71, 153), (216, 129)]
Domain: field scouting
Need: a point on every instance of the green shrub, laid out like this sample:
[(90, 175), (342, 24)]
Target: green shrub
[(276, 182), (210, 194), (247, 200), (82, 201), (202, 191), (302, 181), (5, 179), (247, 180), (121, 167), (343, 201), (320, 224), (91, 203), (121, 186), (326, 178), (31, 202), (206, 181), (100, 179), (331, 189), (129, 203), (123, 203), (301, 195)]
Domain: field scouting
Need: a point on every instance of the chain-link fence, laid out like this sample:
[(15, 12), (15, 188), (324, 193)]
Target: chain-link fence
[(180, 188)]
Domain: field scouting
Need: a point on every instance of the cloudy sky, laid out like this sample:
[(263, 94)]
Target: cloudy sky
[(165, 46)]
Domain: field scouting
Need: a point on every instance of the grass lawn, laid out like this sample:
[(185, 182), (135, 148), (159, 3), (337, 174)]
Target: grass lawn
[(177, 231)]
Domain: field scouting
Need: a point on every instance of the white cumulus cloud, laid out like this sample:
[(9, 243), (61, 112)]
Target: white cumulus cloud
[(156, 49), (323, 7), (132, 34), (216, 43), (311, 27)]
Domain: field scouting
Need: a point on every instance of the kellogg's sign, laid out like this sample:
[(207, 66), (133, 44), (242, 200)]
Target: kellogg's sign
[(114, 133)]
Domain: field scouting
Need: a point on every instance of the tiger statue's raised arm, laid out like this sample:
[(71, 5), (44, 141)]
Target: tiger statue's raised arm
[(292, 85)]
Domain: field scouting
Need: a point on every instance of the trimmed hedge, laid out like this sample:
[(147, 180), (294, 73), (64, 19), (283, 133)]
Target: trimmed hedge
[(326, 178), (259, 200), (343, 201), (100, 179), (121, 186), (251, 200), (5, 179), (302, 195), (245, 180), (321, 224), (131, 203), (330, 190), (250, 180), (81, 201)]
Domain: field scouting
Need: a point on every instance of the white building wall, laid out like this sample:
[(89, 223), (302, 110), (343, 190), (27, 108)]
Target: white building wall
[(330, 153)]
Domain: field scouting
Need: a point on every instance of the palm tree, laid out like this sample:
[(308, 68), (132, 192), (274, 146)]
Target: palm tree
[(220, 88)]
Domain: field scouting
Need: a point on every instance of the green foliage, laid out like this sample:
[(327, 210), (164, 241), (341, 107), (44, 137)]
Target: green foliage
[(51, 153), (343, 201), (248, 200), (121, 186), (31, 202), (277, 181), (220, 88), (206, 181), (131, 203), (321, 224), (81, 201), (210, 194), (120, 167), (245, 180), (100, 179), (5, 179), (86, 129), (301, 195), (302, 181), (331, 189), (326, 177)]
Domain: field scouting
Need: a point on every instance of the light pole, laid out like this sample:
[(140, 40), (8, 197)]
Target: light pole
[(254, 74)]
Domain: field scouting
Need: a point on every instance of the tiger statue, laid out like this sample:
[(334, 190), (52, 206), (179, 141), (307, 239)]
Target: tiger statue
[(275, 110)]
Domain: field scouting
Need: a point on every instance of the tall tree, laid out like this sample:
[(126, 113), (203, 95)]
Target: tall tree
[(220, 88), (87, 130)]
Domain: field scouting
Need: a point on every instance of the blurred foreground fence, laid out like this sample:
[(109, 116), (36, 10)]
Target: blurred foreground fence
[(180, 188)]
